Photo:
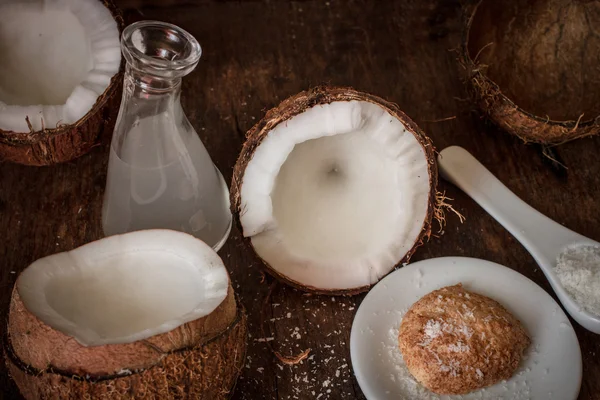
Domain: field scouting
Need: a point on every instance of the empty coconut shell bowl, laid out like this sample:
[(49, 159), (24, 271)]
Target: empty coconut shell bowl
[(331, 194), (532, 66)]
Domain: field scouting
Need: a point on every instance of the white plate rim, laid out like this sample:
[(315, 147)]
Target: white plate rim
[(362, 380)]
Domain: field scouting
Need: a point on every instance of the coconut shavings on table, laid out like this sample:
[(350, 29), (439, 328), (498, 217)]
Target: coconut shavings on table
[(578, 269), (325, 373)]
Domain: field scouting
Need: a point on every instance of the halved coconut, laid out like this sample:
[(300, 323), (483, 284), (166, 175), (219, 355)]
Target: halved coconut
[(533, 66), (148, 314), (334, 188), (59, 77)]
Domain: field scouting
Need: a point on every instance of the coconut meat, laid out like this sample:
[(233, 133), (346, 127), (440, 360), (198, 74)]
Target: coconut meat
[(125, 288), (336, 196), (58, 57)]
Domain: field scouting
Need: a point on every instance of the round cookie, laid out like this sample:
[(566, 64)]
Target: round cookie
[(454, 341)]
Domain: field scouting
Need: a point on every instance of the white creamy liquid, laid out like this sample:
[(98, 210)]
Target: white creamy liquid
[(165, 179)]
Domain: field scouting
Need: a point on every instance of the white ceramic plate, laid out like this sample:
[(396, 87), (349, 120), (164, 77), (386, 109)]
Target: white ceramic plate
[(552, 366)]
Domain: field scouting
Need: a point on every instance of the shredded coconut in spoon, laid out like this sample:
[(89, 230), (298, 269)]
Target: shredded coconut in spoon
[(578, 269)]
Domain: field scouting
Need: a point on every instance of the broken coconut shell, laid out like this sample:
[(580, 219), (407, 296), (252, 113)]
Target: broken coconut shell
[(65, 142), (533, 66), (149, 314), (300, 103), (198, 360)]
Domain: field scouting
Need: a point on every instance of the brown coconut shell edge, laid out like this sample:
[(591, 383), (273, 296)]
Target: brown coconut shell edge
[(208, 371), (43, 348), (66, 142), (297, 104), (504, 112)]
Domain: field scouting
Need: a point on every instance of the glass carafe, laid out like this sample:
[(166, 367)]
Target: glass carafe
[(159, 173)]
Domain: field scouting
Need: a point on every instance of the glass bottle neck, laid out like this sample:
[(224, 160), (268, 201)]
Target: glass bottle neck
[(139, 83), (158, 56), (147, 96)]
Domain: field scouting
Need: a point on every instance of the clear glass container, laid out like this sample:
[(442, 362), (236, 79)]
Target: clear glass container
[(159, 172)]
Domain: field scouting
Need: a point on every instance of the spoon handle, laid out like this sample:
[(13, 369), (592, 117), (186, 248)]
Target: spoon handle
[(543, 238)]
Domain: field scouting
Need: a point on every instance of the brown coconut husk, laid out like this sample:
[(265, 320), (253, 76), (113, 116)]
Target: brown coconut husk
[(299, 103), (198, 360), (533, 66), (61, 143)]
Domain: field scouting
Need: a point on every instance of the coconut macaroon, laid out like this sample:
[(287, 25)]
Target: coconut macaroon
[(59, 77), (149, 314), (334, 188), (454, 341), (533, 66)]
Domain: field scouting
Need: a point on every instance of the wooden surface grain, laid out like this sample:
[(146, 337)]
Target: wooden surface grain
[(256, 53)]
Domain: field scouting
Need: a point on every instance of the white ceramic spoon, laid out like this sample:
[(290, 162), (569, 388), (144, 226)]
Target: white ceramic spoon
[(543, 238)]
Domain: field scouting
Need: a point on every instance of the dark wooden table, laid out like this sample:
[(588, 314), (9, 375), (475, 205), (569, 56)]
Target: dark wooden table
[(257, 53)]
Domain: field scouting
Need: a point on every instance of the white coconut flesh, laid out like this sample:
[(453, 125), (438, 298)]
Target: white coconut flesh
[(336, 196), (58, 57), (125, 288)]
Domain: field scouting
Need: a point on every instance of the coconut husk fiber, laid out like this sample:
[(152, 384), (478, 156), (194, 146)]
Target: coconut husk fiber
[(198, 360), (534, 66)]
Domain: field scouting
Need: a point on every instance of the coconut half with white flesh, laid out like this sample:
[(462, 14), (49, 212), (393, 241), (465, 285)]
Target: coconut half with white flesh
[(334, 188), (60, 84), (148, 314)]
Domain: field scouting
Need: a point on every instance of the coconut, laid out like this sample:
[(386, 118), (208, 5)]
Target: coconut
[(334, 188), (533, 66), (149, 314), (60, 84)]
